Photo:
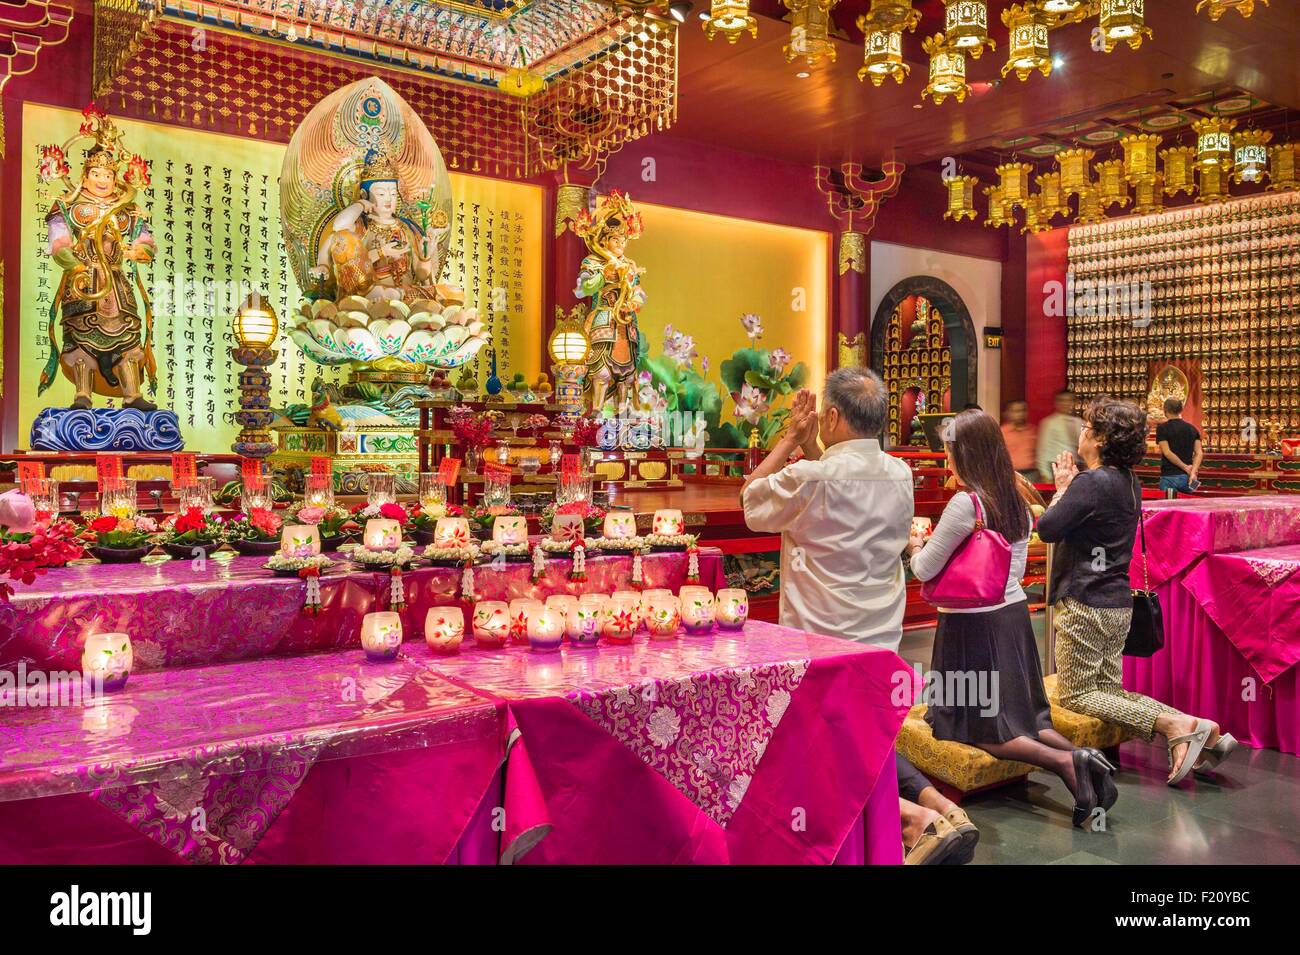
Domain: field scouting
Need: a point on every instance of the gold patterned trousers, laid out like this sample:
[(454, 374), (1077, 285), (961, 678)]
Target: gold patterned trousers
[(1089, 663)]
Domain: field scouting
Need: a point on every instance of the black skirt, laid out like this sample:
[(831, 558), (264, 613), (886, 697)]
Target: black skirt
[(985, 683)]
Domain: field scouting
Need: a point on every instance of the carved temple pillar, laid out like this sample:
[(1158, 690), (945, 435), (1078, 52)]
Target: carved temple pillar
[(567, 253), (852, 324)]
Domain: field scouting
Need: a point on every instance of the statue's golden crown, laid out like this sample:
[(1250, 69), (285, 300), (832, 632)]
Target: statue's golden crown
[(614, 215), (378, 166)]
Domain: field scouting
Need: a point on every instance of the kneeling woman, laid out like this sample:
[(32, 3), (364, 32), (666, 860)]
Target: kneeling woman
[(971, 646)]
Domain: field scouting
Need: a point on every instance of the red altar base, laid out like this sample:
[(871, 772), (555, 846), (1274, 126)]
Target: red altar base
[(1228, 475)]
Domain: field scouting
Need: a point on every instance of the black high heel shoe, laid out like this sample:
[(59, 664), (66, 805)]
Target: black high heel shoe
[(1101, 770), (1100, 757), (1085, 797)]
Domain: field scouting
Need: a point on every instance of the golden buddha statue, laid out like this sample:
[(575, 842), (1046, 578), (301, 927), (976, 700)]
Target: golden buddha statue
[(1169, 383), (95, 230)]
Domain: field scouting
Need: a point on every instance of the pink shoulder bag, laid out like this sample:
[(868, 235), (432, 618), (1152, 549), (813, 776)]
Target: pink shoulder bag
[(976, 573)]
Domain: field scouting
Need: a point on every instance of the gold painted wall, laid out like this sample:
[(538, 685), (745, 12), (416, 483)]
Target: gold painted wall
[(214, 210), (704, 271)]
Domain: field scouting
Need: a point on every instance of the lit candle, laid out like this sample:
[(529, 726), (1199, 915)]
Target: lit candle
[(300, 540), (561, 602), (491, 623), (451, 532), (697, 612), (662, 617), (381, 635), (444, 628), (619, 619), (732, 608), (620, 525), (319, 491), (381, 489), (107, 657), (638, 603), (668, 521), (382, 534), (582, 622), (567, 527), (510, 529), (519, 608), (545, 628)]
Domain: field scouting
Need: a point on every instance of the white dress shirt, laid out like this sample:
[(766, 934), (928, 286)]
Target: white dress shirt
[(844, 522)]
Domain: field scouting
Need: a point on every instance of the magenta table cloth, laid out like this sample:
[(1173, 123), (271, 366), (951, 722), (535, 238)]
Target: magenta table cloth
[(187, 613), (1181, 532), (759, 746), (205, 762)]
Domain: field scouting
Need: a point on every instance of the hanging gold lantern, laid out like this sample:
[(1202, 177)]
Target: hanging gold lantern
[(1149, 195), (731, 18), (1179, 165), (1217, 8), (961, 198), (1028, 47), (1051, 202), (1123, 20), (1076, 174), (882, 55), (1250, 155), (997, 208), (1111, 187), (1214, 142), (1212, 184), (947, 71), (966, 25), (894, 14), (1013, 181), (1035, 220), (1140, 156), (810, 25), (1059, 7), (1283, 168), (1089, 207)]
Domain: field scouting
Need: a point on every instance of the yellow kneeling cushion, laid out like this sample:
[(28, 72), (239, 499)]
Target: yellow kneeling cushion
[(968, 768)]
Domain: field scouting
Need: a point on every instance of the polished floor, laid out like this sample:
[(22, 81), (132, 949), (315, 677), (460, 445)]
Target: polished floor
[(1249, 814)]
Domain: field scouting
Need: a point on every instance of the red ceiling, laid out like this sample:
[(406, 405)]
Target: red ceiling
[(746, 97)]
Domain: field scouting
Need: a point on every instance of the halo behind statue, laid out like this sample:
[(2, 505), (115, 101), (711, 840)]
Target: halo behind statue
[(322, 168)]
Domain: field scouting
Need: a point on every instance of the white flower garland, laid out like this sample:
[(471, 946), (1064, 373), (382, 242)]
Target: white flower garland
[(382, 558)]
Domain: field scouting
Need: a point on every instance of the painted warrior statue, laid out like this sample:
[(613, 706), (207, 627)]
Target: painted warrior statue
[(613, 283), (100, 238)]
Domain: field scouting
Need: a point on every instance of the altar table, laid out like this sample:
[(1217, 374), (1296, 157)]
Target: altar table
[(1226, 573), (186, 613), (765, 745)]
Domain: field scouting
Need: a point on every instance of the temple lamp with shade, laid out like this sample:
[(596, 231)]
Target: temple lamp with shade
[(569, 347), (256, 328)]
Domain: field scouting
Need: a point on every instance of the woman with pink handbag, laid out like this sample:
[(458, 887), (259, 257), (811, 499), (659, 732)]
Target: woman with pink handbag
[(985, 686)]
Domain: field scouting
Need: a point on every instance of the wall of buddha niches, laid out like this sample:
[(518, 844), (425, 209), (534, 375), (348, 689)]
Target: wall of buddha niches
[(1214, 292)]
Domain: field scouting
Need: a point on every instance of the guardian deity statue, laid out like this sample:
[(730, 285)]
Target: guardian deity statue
[(613, 283), (99, 237)]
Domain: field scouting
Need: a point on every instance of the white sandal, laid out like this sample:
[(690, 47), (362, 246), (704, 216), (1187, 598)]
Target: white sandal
[(1195, 745), (1212, 756)]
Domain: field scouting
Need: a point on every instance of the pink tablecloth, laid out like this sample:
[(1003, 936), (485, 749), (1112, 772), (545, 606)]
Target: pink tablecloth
[(186, 613), (1181, 532), (766, 746)]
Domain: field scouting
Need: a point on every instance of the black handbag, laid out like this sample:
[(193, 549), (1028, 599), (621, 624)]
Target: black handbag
[(1146, 632)]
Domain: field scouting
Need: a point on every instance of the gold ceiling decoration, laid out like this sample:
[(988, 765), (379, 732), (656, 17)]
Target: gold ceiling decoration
[(1076, 173), (882, 55), (1123, 21), (1013, 183), (1112, 189), (810, 26), (1179, 169), (1214, 142), (1037, 219), (1051, 199), (1283, 167), (1028, 47), (1090, 209), (961, 197), (1212, 183), (1250, 155), (997, 208), (1149, 195), (1217, 8), (731, 18), (947, 71), (1140, 159), (966, 25)]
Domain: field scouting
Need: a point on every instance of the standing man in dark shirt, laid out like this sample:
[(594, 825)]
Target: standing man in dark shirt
[(1180, 449)]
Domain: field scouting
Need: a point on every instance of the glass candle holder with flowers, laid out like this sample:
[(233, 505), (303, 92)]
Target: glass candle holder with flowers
[(255, 532), (193, 534), (116, 540)]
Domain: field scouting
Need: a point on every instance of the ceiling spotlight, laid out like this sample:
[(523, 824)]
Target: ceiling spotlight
[(803, 74), (679, 10), (1058, 61)]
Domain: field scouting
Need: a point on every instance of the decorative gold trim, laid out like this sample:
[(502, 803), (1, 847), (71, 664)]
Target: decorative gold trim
[(851, 353), (853, 252), (570, 201)]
